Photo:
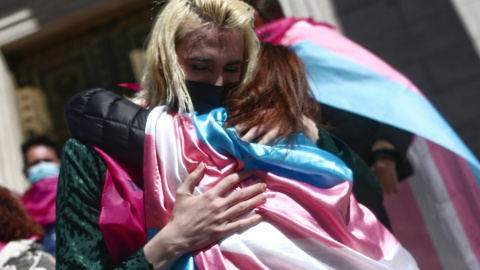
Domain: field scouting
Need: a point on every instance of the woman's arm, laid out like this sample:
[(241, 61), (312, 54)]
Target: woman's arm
[(196, 222), (80, 242)]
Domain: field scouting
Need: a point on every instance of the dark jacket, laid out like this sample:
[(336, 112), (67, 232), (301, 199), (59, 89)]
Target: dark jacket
[(102, 118), (360, 134)]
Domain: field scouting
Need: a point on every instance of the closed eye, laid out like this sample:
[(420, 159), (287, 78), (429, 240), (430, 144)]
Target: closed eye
[(199, 67), (232, 69)]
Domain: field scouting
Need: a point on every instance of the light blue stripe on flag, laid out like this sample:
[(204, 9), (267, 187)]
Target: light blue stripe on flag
[(341, 83), (303, 162)]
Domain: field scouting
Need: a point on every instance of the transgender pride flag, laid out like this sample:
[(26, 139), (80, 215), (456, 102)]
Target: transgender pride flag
[(310, 220), (437, 214)]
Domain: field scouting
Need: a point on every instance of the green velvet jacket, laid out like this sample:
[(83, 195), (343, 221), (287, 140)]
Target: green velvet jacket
[(80, 242)]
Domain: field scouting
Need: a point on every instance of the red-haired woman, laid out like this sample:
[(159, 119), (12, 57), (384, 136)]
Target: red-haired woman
[(279, 98)]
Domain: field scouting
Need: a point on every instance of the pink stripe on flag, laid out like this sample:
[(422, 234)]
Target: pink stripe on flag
[(338, 218), (292, 204), (325, 221), (158, 202), (409, 227), (463, 190), (217, 166)]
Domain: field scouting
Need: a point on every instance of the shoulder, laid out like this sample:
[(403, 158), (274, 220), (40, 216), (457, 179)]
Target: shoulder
[(329, 142), (103, 104), (82, 169), (94, 115), (79, 153)]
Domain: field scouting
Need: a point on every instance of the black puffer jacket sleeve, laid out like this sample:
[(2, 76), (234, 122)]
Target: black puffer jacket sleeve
[(104, 119)]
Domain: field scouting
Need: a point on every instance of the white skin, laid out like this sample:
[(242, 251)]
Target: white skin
[(38, 153), (384, 170), (214, 57)]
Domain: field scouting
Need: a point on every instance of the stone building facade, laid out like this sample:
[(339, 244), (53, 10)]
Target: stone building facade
[(50, 50), (53, 49), (435, 43)]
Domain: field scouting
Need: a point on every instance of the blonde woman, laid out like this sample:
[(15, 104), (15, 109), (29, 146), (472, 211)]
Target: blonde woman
[(197, 48)]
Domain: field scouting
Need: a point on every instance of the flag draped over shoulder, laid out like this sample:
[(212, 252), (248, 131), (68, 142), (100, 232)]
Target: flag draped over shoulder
[(310, 220), (438, 209)]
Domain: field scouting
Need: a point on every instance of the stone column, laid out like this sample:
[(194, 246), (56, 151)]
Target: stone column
[(319, 10), (11, 137), (468, 11)]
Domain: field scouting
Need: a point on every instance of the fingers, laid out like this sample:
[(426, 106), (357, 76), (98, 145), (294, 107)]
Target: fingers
[(270, 136), (245, 206), (229, 182), (240, 128), (395, 186), (261, 134), (386, 189), (392, 186), (251, 134), (192, 179), (245, 194), (384, 170), (389, 184), (242, 224), (310, 129)]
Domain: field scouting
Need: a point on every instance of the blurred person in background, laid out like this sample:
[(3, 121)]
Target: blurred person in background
[(20, 236), (42, 166), (204, 45)]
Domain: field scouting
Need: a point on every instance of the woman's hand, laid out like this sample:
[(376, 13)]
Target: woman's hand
[(198, 221), (384, 170), (260, 133), (310, 129), (265, 136)]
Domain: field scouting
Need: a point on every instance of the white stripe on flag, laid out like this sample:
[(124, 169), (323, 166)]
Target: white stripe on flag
[(438, 212)]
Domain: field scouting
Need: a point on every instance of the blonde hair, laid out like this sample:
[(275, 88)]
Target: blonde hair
[(163, 81)]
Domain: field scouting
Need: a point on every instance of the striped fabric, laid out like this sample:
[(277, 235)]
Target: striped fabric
[(437, 214), (311, 220)]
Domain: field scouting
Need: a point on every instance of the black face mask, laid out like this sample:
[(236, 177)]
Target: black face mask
[(206, 97)]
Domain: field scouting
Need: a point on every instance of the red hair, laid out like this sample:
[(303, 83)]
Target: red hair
[(15, 222), (277, 96)]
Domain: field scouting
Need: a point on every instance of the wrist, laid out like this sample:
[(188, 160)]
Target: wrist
[(163, 250), (385, 162), (386, 154)]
